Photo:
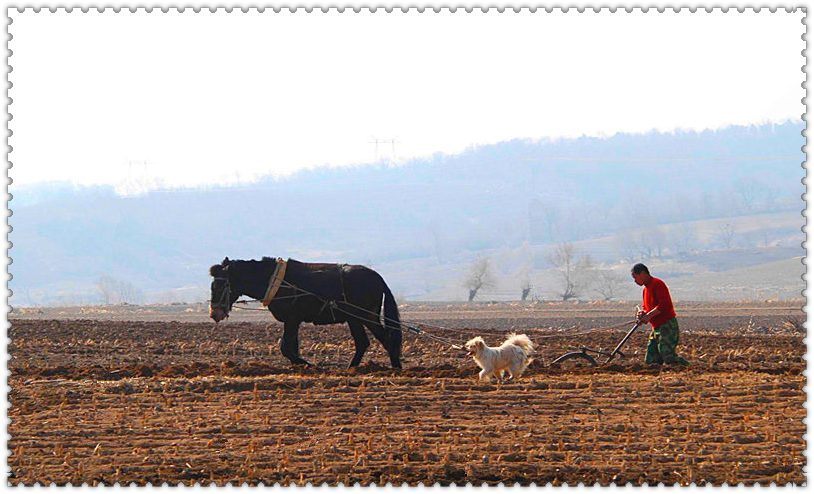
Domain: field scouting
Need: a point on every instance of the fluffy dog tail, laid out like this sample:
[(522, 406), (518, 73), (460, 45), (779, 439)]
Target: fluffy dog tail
[(522, 341)]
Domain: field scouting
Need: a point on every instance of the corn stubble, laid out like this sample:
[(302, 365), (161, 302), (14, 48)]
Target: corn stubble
[(168, 402)]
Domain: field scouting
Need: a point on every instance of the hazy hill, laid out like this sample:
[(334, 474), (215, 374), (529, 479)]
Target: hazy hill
[(441, 211)]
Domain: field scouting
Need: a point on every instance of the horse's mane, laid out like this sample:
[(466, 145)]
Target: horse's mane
[(217, 269)]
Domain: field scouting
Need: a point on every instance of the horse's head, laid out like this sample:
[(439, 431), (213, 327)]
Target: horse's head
[(222, 294)]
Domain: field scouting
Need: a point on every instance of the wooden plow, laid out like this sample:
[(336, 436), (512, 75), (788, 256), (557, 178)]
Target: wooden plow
[(585, 353)]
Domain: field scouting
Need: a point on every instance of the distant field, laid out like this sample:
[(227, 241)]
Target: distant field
[(777, 280), (160, 394), (764, 262), (703, 277)]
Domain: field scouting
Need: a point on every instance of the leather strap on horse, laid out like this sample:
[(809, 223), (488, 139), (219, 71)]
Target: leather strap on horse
[(275, 281), (342, 281)]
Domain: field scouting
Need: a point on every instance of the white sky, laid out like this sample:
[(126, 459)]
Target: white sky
[(197, 98)]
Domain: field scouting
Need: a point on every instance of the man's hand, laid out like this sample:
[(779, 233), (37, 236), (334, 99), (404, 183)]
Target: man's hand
[(641, 316)]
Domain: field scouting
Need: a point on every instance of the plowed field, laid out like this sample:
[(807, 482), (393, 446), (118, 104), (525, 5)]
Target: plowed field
[(153, 397)]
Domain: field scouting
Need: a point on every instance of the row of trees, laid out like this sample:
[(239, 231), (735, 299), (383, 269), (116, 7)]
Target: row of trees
[(578, 275), (550, 221), (112, 290), (109, 290), (677, 241)]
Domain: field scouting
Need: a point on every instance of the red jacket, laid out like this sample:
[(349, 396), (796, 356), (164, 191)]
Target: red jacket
[(656, 294)]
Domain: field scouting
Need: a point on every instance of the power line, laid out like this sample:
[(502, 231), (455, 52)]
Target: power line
[(377, 141)]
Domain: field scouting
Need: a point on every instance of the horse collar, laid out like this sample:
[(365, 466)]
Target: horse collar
[(275, 281)]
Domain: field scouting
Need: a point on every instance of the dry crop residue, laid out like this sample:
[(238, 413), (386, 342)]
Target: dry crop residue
[(101, 401)]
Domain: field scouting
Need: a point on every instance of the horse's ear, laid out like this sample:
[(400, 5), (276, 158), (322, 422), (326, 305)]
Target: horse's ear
[(225, 261), (216, 270)]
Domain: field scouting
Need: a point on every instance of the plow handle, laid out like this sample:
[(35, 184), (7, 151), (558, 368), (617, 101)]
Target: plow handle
[(624, 340)]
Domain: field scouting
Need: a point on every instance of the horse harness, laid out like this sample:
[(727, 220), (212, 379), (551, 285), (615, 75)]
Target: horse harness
[(278, 278), (330, 303), (223, 303)]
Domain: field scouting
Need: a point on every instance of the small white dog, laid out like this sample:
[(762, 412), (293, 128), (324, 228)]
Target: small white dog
[(512, 355)]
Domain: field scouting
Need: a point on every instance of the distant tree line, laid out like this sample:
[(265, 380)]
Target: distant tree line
[(579, 276), (115, 291), (549, 220)]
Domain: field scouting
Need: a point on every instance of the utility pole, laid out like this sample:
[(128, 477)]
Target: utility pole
[(142, 164), (377, 141)]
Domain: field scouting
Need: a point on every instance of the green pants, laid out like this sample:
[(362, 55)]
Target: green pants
[(661, 349)]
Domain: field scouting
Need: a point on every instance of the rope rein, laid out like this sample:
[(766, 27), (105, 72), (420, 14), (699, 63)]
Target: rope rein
[(412, 326), (394, 324)]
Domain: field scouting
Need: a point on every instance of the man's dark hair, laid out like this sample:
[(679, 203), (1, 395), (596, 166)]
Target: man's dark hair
[(638, 268)]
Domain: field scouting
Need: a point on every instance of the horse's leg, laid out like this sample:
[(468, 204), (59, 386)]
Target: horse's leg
[(290, 346), (360, 339), (381, 334)]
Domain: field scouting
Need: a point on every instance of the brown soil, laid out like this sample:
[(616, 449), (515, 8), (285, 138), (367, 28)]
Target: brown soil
[(105, 401)]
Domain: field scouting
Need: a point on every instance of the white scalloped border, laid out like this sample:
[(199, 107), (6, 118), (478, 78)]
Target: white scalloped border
[(356, 9)]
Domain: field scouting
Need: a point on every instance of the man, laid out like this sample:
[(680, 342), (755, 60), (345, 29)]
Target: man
[(657, 309)]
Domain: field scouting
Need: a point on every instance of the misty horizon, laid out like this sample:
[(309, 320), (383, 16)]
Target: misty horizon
[(732, 203), (145, 183)]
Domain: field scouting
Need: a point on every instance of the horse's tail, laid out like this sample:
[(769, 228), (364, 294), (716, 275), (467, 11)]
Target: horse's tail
[(392, 322)]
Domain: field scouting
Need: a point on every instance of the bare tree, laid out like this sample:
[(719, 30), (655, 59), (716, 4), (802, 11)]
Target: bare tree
[(725, 234), (128, 294), (573, 270), (107, 286), (607, 284), (643, 245), (480, 276), (524, 274), (627, 248), (544, 216), (526, 288), (658, 239), (683, 239), (749, 191), (113, 291), (649, 238)]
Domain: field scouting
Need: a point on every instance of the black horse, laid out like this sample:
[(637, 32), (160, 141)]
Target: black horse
[(315, 293)]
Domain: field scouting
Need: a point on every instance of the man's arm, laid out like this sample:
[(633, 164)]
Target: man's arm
[(645, 318)]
